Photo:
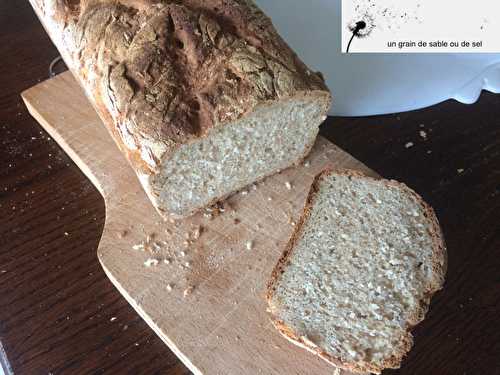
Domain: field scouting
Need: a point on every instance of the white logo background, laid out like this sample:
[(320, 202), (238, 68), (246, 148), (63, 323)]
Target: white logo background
[(421, 26)]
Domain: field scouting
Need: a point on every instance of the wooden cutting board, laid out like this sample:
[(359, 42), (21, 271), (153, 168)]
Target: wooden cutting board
[(205, 297)]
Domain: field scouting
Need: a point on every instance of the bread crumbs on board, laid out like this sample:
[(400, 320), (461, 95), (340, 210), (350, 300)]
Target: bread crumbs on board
[(188, 291), (138, 247), (121, 234), (151, 262)]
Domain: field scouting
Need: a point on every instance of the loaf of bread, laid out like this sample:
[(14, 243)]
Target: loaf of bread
[(359, 272), (202, 96)]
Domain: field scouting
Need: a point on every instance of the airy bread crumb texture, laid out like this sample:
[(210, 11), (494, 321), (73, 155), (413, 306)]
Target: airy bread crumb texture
[(359, 272), (271, 138)]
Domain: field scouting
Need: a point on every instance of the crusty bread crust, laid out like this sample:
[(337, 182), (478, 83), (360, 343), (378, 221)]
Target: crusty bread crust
[(162, 74), (439, 266)]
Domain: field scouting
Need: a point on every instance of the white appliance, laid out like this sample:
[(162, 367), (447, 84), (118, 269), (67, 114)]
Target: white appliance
[(371, 84)]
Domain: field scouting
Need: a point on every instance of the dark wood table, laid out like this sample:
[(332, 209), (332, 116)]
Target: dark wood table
[(56, 304)]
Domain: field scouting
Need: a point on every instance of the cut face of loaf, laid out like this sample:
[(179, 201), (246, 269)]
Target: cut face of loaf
[(270, 139), (202, 96), (359, 272)]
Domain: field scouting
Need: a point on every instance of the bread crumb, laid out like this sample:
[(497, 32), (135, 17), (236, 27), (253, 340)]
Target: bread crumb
[(409, 145), (423, 134), (307, 164), (151, 262), (166, 261), (254, 187), (66, 233), (188, 291), (195, 234), (288, 185), (460, 170), (244, 192), (138, 247), (169, 287), (187, 264), (112, 319), (269, 199), (183, 253), (249, 245)]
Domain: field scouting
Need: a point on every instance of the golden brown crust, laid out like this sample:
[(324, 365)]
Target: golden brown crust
[(439, 264), (163, 73)]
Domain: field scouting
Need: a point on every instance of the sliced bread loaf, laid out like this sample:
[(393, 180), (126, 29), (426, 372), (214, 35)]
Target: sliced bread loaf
[(202, 96), (359, 272)]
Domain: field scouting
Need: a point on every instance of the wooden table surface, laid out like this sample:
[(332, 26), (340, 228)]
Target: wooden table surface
[(60, 315)]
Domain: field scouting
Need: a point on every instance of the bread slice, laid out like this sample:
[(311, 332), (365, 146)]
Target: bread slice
[(203, 97), (359, 271)]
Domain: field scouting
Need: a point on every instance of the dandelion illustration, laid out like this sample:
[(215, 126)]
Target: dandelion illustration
[(360, 28)]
